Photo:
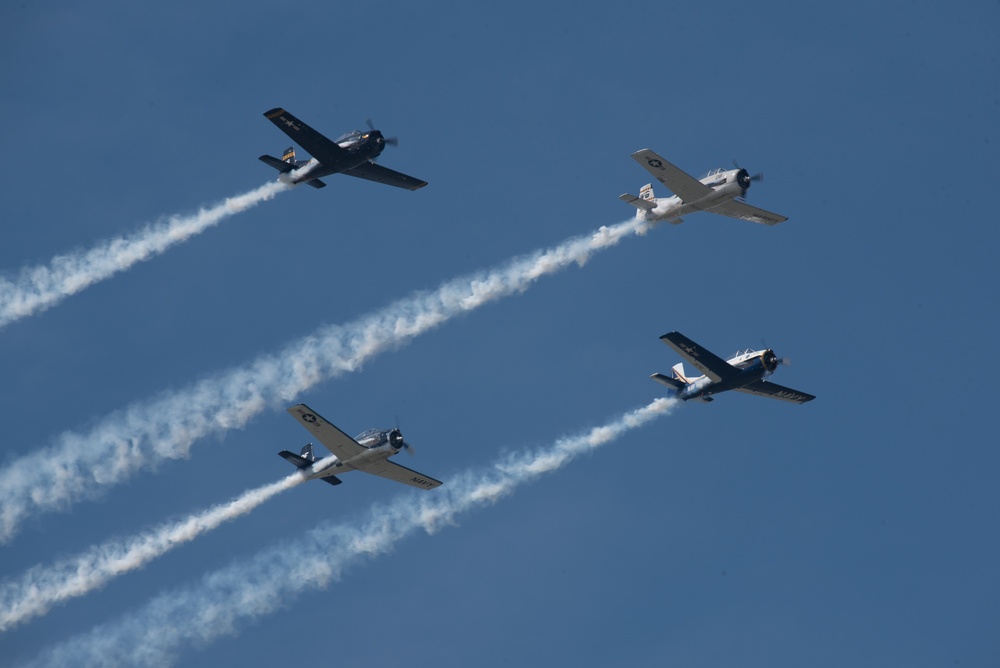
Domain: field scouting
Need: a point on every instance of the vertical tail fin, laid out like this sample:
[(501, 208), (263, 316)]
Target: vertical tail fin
[(647, 193), (307, 451), (678, 370), (289, 155), (646, 202)]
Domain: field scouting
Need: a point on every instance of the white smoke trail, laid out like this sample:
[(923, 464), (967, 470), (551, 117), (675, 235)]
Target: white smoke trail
[(43, 586), (226, 600), (79, 466), (38, 288)]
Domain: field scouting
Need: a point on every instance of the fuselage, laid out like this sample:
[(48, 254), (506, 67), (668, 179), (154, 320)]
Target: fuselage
[(361, 147), (378, 444), (725, 184), (752, 365)]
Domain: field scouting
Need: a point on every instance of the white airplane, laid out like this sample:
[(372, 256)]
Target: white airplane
[(717, 193), (369, 452), (745, 372)]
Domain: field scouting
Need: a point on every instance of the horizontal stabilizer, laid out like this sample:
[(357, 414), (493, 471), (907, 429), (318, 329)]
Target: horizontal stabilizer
[(300, 462), (637, 202), (280, 165), (316, 183), (332, 479), (668, 381)]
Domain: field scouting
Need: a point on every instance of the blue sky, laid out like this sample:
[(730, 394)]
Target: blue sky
[(860, 528)]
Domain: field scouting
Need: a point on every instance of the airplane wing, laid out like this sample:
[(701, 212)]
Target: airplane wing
[(380, 174), (743, 211), (335, 440), (393, 471), (323, 149), (764, 388), (707, 362), (680, 182)]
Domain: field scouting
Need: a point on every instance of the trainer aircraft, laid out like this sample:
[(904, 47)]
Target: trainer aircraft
[(720, 192), (744, 372), (369, 451), (353, 154)]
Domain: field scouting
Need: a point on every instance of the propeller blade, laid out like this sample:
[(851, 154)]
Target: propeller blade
[(410, 450), (368, 122), (759, 176), (392, 141)]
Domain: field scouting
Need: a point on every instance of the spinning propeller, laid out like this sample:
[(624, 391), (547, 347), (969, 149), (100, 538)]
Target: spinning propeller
[(745, 179), (389, 141), (770, 358), (396, 440)]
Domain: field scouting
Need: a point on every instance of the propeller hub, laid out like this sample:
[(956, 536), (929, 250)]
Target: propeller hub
[(396, 439), (769, 360), (743, 179)]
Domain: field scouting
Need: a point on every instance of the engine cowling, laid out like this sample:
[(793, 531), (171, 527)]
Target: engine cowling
[(769, 360), (743, 179), (396, 439)]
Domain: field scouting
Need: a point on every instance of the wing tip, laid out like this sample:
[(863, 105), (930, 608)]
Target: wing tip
[(273, 113)]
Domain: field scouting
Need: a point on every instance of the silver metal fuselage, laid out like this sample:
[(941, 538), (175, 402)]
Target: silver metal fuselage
[(378, 445), (725, 187)]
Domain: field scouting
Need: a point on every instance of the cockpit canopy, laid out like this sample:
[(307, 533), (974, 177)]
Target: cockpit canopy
[(370, 437), (351, 138)]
